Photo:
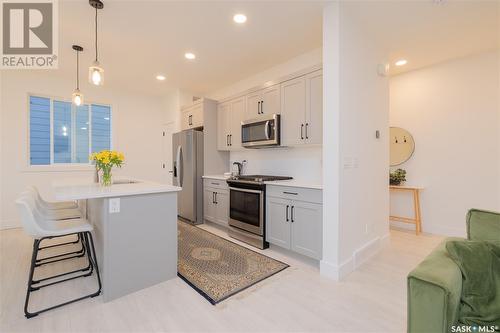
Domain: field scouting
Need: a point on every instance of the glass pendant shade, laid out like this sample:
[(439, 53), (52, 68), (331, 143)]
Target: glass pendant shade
[(77, 97), (96, 74)]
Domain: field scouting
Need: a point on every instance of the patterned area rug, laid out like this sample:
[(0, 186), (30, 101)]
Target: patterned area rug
[(218, 268)]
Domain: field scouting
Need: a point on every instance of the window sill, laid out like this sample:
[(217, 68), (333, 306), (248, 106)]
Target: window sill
[(59, 168)]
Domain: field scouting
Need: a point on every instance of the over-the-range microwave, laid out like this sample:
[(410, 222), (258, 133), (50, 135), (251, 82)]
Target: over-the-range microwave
[(261, 132)]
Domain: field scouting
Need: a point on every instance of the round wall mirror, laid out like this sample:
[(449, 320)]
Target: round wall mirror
[(402, 145)]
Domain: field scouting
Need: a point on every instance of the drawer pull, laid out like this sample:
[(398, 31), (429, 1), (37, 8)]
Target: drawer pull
[(292, 193), (215, 183)]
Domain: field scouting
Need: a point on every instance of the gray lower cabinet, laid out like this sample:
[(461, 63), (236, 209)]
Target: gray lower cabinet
[(216, 205), (295, 225), (278, 229), (306, 228)]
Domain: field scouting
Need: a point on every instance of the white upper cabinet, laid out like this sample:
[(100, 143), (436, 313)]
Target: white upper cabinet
[(264, 101), (192, 116), (301, 110), (237, 114), (223, 125), (229, 117), (293, 111), (314, 108)]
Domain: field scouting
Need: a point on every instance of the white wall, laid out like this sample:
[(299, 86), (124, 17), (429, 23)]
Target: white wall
[(303, 164), (136, 131), (452, 111), (356, 99)]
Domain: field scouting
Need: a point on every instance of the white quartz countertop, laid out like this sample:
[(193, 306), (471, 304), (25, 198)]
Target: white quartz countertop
[(218, 177), (80, 190), (295, 183)]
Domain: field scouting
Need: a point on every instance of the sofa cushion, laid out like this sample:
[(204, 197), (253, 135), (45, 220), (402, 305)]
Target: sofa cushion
[(483, 225), (479, 262)]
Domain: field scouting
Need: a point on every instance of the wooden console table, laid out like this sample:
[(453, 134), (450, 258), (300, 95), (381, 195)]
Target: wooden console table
[(417, 220)]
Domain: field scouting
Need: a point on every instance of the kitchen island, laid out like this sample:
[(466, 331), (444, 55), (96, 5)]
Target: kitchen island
[(135, 231)]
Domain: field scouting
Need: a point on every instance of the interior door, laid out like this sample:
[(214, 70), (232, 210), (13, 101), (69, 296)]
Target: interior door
[(237, 113), (293, 107), (314, 109), (306, 228), (253, 105), (271, 101), (277, 226), (167, 160), (223, 125)]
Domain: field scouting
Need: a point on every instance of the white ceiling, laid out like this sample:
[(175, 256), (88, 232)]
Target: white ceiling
[(139, 39), (428, 32)]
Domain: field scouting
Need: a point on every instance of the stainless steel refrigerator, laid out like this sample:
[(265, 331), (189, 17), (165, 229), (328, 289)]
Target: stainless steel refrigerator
[(187, 173)]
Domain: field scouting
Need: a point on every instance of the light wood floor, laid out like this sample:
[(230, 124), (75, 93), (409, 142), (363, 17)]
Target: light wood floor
[(371, 299)]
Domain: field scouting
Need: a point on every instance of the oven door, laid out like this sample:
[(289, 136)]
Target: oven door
[(246, 209), (262, 131)]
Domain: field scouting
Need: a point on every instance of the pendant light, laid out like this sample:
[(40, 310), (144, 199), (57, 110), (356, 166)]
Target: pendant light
[(96, 73), (77, 96)]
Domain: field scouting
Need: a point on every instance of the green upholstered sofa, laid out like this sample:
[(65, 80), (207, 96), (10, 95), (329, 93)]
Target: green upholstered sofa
[(435, 285)]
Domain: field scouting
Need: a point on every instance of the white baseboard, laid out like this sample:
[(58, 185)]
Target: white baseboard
[(360, 256), (336, 272), (9, 224), (368, 250), (435, 230)]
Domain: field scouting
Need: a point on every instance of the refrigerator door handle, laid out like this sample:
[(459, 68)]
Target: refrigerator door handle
[(179, 168)]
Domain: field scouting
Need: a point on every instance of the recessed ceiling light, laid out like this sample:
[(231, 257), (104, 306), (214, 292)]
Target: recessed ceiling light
[(190, 56), (401, 62), (240, 18), (160, 77)]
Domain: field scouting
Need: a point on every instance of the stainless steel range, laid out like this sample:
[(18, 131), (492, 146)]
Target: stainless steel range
[(247, 208)]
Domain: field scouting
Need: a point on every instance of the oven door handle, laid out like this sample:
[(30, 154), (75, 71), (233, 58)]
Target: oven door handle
[(245, 190)]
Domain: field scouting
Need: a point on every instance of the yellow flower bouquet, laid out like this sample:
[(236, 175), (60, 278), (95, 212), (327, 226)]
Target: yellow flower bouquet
[(105, 160)]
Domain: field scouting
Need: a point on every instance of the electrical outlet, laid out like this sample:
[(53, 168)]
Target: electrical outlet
[(114, 205)]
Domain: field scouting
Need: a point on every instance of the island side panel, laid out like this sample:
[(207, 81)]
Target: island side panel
[(140, 247)]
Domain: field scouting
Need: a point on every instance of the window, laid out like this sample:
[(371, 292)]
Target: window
[(61, 133)]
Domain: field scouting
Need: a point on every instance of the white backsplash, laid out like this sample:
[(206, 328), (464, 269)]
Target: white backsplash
[(301, 163)]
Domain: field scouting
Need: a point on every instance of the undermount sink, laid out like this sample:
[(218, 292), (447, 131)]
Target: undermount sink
[(125, 181)]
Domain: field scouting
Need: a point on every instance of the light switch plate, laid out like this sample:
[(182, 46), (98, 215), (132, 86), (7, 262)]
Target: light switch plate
[(114, 205)]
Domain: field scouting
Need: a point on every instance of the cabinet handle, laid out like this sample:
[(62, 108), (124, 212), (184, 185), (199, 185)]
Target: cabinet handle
[(291, 213), (307, 125), (215, 183), (287, 206), (302, 131), (230, 139), (261, 107), (213, 197), (227, 140), (216, 198), (190, 120), (258, 107), (293, 193)]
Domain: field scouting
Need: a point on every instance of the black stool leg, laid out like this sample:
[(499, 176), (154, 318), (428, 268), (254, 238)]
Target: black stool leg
[(78, 239), (36, 243), (64, 256), (91, 255), (93, 259)]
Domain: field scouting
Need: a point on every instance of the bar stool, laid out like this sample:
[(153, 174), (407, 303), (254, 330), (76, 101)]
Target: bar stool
[(55, 211), (34, 206), (40, 228), (51, 205)]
